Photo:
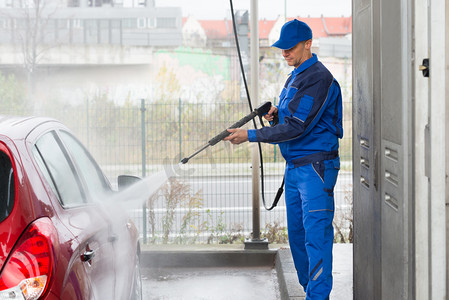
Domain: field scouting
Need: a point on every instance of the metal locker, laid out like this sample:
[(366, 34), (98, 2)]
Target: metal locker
[(381, 123), (399, 148)]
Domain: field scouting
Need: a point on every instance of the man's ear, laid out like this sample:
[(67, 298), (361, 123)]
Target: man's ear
[(308, 44)]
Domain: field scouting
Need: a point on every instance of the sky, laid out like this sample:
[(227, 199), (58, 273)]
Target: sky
[(268, 9)]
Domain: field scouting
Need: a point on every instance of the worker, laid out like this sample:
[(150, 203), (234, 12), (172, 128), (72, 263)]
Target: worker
[(310, 124)]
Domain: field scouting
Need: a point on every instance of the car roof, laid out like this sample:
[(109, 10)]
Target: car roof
[(16, 127)]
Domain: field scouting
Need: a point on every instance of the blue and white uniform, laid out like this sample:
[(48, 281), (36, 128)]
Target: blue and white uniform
[(310, 124)]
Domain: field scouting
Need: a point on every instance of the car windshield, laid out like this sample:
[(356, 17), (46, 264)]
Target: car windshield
[(7, 189)]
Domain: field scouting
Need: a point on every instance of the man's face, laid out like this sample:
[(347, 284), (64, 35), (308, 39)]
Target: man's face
[(297, 55)]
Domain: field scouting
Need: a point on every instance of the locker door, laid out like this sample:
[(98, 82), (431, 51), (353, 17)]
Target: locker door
[(366, 207), (396, 149)]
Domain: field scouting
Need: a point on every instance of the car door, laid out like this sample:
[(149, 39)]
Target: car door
[(80, 215), (100, 194), (114, 211)]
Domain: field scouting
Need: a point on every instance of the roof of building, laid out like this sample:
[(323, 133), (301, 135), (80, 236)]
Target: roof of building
[(265, 27), (321, 27), (217, 29), (327, 27)]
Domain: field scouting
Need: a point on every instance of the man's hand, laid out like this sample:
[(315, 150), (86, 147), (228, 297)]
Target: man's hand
[(270, 115), (237, 136)]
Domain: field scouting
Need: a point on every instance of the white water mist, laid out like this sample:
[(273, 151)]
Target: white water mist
[(116, 207)]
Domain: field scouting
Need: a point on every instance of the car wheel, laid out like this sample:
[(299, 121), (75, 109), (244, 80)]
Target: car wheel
[(136, 293)]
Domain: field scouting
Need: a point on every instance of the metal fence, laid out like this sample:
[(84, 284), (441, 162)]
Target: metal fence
[(209, 200)]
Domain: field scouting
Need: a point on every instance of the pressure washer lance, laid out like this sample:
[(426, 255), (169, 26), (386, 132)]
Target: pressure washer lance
[(259, 111)]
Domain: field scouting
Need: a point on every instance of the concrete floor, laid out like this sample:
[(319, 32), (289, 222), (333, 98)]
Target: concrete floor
[(342, 272), (248, 283), (229, 272)]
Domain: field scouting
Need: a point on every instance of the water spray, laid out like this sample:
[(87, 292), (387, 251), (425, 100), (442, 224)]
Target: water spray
[(137, 190)]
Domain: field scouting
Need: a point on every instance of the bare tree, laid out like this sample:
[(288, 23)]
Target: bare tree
[(30, 32)]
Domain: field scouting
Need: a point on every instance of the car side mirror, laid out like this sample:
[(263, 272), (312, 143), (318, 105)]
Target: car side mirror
[(125, 181)]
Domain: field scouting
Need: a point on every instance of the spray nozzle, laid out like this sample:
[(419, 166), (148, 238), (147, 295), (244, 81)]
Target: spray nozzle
[(263, 109)]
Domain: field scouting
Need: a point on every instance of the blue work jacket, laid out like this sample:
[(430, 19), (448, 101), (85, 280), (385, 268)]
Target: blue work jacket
[(310, 114)]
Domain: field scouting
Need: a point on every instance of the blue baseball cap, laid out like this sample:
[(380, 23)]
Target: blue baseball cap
[(292, 33)]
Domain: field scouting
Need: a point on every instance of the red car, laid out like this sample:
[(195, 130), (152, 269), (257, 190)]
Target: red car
[(62, 234)]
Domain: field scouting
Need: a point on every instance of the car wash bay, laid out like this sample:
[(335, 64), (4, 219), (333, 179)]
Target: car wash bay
[(400, 90), (229, 272)]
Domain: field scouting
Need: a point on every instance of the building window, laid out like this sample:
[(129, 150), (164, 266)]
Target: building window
[(166, 22), (73, 3), (130, 23), (96, 3), (151, 22), (115, 24), (21, 24), (91, 27), (104, 24), (76, 23), (6, 23), (141, 22), (62, 24), (108, 2)]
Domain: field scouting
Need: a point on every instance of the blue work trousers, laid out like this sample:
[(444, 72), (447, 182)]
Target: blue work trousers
[(309, 196)]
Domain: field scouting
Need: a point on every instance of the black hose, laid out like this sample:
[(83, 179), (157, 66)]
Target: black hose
[(280, 190)]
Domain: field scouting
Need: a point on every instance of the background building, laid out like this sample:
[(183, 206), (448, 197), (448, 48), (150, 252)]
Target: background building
[(83, 44)]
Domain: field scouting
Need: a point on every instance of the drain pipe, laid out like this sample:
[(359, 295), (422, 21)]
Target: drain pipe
[(256, 242)]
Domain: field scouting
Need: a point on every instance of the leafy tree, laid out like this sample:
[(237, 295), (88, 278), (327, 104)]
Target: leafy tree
[(168, 85)]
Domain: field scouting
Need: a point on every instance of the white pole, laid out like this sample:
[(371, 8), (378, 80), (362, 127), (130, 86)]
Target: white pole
[(254, 14), (285, 11)]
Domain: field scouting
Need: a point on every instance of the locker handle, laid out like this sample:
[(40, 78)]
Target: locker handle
[(425, 67)]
